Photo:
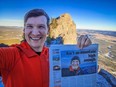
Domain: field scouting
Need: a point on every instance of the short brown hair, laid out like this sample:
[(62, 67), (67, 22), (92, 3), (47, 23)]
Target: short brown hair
[(35, 13)]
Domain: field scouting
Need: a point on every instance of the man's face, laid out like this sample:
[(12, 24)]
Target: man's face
[(75, 64), (35, 31)]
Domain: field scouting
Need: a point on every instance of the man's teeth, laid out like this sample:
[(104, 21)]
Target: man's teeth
[(36, 38)]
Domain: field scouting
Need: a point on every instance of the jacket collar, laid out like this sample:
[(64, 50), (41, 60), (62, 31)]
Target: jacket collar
[(71, 69), (26, 49)]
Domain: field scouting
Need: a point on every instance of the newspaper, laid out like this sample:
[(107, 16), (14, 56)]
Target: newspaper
[(73, 67)]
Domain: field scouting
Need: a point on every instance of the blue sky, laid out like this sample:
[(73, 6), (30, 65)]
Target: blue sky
[(87, 14)]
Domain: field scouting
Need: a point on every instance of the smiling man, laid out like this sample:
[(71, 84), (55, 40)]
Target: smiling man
[(36, 27), (26, 64), (35, 31), (75, 68)]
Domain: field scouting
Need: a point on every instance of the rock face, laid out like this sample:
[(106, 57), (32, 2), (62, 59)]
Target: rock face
[(110, 78), (64, 27), (3, 45), (102, 82)]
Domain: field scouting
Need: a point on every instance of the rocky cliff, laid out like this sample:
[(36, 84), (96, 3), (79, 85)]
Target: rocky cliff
[(63, 26), (111, 80)]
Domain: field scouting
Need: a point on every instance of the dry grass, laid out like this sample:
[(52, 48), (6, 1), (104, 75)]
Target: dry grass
[(107, 64), (10, 41), (10, 35)]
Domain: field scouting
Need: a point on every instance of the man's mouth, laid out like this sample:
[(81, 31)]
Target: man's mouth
[(35, 38)]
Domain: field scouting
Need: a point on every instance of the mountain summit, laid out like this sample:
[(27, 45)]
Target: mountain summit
[(63, 26)]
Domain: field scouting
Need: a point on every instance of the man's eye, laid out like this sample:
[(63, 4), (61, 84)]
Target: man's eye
[(29, 26), (41, 27)]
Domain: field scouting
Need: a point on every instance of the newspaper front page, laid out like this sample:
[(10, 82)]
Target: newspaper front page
[(73, 67)]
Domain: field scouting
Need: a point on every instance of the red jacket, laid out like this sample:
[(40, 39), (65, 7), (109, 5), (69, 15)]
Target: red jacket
[(20, 66)]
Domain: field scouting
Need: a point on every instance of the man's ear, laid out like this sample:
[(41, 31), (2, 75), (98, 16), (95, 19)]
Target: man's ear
[(48, 31)]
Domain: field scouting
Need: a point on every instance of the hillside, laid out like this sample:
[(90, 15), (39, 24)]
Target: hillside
[(10, 35)]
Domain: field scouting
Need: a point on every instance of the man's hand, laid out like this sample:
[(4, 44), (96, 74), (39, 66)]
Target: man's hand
[(83, 41)]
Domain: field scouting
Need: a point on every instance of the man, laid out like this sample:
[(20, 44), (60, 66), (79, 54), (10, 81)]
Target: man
[(74, 68), (26, 64)]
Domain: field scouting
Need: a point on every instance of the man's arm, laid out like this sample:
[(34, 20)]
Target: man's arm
[(3, 45), (8, 58)]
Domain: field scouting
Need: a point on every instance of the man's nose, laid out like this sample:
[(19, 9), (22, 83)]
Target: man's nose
[(35, 31), (75, 63)]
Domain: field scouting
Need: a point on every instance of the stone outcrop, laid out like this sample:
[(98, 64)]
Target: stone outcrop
[(63, 26), (3, 45), (102, 82), (109, 77)]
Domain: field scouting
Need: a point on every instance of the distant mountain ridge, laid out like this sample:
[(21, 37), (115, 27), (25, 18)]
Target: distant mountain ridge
[(110, 33)]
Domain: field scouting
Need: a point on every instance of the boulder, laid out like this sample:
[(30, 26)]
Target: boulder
[(3, 45), (102, 82), (109, 77)]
